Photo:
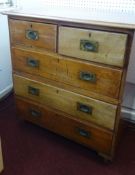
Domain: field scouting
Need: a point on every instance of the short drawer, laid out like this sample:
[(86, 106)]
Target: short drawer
[(84, 133), (33, 34), (82, 75), (97, 46), (78, 106)]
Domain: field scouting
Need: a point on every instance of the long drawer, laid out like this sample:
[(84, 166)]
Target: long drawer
[(33, 34), (78, 106), (97, 46), (82, 75), (87, 134)]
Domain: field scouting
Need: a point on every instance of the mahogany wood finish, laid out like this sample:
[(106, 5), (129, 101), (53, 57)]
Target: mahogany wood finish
[(76, 96)]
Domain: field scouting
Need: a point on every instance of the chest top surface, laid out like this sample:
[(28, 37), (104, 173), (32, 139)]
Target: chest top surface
[(85, 17)]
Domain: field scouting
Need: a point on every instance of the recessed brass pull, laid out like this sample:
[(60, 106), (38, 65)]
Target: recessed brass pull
[(31, 35), (83, 132), (35, 113), (32, 62), (84, 108), (88, 76), (89, 46), (33, 91)]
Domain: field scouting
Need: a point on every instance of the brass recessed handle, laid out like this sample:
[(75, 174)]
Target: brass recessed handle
[(32, 35), (87, 76), (82, 132), (88, 45), (33, 91), (34, 113), (31, 62), (84, 108)]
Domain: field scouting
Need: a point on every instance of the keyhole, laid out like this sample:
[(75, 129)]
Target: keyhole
[(89, 34), (31, 25)]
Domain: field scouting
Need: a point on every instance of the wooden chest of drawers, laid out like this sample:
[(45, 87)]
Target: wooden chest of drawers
[(69, 77)]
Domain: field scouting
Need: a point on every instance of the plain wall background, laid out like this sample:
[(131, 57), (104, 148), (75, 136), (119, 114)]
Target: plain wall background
[(131, 67), (5, 60)]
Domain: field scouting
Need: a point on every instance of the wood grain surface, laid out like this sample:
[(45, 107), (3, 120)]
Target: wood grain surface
[(67, 70), (84, 133), (46, 34), (48, 87), (101, 113), (111, 49)]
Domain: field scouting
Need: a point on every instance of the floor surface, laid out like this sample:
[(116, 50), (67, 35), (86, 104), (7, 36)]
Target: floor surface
[(31, 150)]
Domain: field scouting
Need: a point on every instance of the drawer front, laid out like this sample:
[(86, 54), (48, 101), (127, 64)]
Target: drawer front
[(33, 34), (82, 75), (92, 45), (89, 135), (71, 103)]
